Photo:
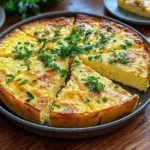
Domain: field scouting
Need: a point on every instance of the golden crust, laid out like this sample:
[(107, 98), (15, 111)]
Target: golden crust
[(71, 107), (73, 111), (22, 109), (117, 112), (68, 120)]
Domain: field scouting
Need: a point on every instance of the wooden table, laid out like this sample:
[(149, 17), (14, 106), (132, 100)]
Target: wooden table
[(135, 136)]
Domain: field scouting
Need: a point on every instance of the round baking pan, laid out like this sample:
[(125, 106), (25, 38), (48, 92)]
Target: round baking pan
[(115, 10), (72, 133)]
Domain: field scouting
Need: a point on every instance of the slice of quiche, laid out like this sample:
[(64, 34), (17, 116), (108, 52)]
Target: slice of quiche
[(129, 68), (111, 45), (29, 93), (89, 99), (139, 7)]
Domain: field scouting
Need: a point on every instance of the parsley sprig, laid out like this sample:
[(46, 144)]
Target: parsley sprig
[(93, 84)]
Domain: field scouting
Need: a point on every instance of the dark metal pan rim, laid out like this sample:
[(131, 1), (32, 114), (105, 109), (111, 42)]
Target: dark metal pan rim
[(49, 128), (74, 130)]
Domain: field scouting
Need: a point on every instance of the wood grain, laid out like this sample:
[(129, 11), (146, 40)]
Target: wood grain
[(135, 136)]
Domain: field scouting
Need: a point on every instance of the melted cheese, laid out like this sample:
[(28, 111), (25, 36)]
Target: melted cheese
[(76, 98)]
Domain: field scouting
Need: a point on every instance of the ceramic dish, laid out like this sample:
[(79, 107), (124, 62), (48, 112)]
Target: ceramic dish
[(112, 7), (72, 133)]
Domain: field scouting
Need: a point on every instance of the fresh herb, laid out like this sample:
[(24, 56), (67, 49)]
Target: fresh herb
[(93, 84), (120, 57), (122, 46), (98, 101), (76, 63), (103, 38), (97, 57), (53, 66), (18, 79), (36, 32), (128, 43), (109, 29), (87, 35), (57, 105), (116, 86), (10, 78), (87, 100), (57, 33), (23, 82), (104, 99), (46, 58), (30, 97)]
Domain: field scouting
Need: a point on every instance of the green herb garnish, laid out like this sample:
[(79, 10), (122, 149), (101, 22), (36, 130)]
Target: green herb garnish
[(93, 84), (23, 82), (10, 78), (76, 63), (104, 99), (30, 97)]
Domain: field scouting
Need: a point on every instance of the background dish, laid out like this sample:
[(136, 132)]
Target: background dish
[(75, 132), (2, 16), (113, 8)]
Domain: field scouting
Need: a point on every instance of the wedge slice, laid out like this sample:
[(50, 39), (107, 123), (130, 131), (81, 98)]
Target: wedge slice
[(29, 93), (131, 69), (89, 99), (139, 7)]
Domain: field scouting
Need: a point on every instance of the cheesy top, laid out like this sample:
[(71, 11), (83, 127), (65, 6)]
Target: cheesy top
[(35, 61), (88, 91)]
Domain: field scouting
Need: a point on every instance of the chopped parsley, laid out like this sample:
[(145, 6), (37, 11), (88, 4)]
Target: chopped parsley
[(36, 32), (57, 105), (109, 29), (18, 79), (87, 35), (23, 82), (57, 33), (116, 86), (93, 84), (103, 38), (76, 63), (128, 43), (97, 57), (123, 46), (30, 97), (120, 57), (10, 78), (98, 101), (104, 99), (87, 100)]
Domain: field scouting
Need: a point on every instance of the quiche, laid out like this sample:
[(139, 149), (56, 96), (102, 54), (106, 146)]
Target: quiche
[(91, 97), (139, 7), (116, 52), (59, 71)]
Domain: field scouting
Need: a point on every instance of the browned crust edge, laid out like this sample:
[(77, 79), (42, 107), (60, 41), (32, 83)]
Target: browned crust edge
[(24, 110), (70, 120), (117, 112)]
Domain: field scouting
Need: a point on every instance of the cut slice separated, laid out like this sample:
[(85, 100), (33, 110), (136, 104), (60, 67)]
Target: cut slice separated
[(89, 99)]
